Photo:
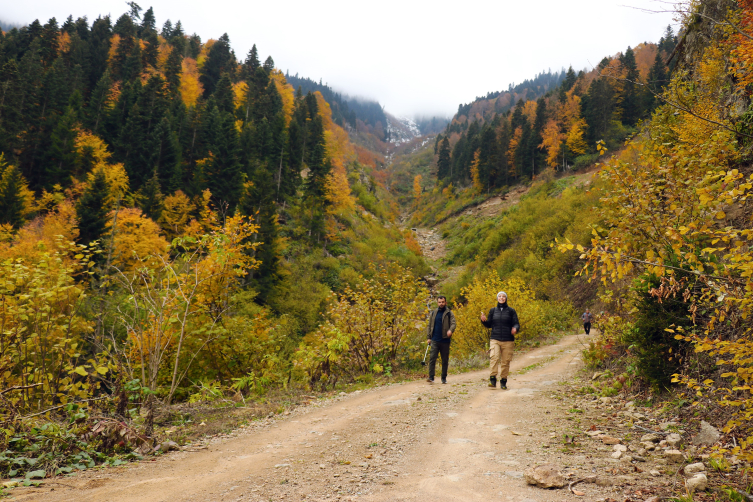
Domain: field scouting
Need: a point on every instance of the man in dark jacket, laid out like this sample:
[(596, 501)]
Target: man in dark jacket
[(586, 318), (503, 320), (439, 334)]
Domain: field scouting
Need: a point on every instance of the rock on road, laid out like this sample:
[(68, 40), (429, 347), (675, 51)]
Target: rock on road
[(404, 442)]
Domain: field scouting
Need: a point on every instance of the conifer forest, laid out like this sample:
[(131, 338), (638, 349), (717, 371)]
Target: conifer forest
[(185, 231)]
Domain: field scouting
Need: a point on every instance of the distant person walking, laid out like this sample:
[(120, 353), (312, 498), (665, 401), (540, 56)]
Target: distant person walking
[(503, 320), (439, 335), (586, 318)]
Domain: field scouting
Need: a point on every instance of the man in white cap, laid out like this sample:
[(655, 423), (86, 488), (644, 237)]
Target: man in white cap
[(503, 320)]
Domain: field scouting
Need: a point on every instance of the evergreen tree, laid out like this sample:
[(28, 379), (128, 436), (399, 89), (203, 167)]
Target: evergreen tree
[(443, 161), (658, 78), (150, 199), (13, 203), (91, 210), (173, 70), (631, 102), (167, 159), (63, 157), (225, 171), (269, 65), (223, 95), (598, 109), (220, 60), (570, 80)]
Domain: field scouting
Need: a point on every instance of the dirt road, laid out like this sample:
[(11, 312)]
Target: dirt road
[(413, 441)]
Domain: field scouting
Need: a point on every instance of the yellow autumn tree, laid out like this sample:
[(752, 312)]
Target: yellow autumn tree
[(551, 141), (190, 87), (417, 189), (176, 214), (475, 174), (135, 236)]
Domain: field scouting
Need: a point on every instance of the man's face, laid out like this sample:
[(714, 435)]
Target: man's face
[(441, 302), (502, 298)]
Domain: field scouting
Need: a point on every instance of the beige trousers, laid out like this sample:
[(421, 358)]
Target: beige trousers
[(500, 354)]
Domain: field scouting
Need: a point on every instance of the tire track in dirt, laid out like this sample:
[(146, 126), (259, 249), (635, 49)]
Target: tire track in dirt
[(410, 441)]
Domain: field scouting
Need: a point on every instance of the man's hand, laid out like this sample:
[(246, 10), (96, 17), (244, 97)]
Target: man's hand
[(483, 317), (449, 333), (513, 331), (428, 341)]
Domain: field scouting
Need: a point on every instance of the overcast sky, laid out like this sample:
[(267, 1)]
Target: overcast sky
[(413, 56)]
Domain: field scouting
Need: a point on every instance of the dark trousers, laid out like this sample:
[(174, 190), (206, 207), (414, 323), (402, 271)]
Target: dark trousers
[(587, 327), (436, 349)]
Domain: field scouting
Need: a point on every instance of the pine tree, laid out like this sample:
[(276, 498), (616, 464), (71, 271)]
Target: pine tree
[(63, 157), (658, 78), (223, 95), (13, 200), (91, 210), (443, 162), (631, 102), (269, 65), (150, 199), (173, 70), (570, 80), (598, 109), (167, 159), (220, 60), (225, 172)]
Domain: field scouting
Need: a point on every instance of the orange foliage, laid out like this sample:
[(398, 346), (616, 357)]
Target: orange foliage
[(204, 52), (367, 157), (411, 242), (287, 93), (163, 53), (529, 110), (114, 42), (340, 152), (135, 236), (190, 87), (644, 58), (514, 141), (742, 47), (552, 140), (50, 232)]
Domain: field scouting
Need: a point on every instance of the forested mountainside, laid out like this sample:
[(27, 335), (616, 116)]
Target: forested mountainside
[(180, 214), (346, 109), (507, 137)]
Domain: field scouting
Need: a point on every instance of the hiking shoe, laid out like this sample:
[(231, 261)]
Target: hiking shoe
[(503, 383), (430, 380), (492, 382), (444, 380)]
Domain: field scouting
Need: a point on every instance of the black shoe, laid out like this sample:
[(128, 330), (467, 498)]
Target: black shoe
[(444, 380), (430, 380), (492, 382), (503, 383)]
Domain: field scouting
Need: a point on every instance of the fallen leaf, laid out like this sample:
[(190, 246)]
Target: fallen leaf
[(515, 433), (368, 456), (578, 494)]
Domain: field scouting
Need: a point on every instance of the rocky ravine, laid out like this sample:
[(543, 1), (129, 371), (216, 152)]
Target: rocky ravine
[(419, 442)]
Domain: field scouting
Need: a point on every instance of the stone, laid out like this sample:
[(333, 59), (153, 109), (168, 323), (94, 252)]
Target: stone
[(673, 456), (694, 468), (708, 435), (322, 466), (545, 476), (617, 454), (604, 481), (697, 483), (619, 447), (652, 499), (278, 466), (167, 446), (606, 400), (648, 445), (641, 452), (674, 440), (638, 458), (610, 440), (663, 443), (653, 438), (654, 472), (627, 458), (363, 464)]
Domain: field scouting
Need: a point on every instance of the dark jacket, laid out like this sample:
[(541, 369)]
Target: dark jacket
[(501, 320), (448, 322)]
